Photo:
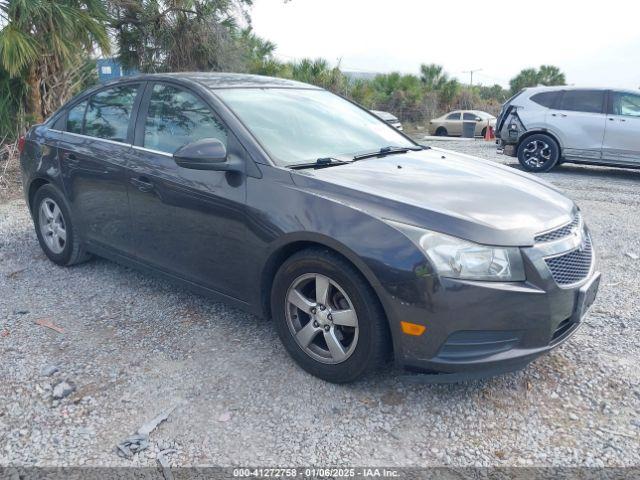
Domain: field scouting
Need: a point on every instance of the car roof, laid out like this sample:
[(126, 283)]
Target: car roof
[(532, 90), (219, 80)]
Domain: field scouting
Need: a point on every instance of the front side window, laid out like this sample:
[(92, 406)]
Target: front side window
[(469, 116), (176, 117), (589, 101), (75, 117), (302, 125), (626, 104), (109, 112), (453, 116)]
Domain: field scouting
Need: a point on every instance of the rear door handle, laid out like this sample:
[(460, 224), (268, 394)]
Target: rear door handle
[(142, 183), (73, 160)]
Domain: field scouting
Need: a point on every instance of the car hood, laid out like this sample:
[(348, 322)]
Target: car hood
[(465, 196)]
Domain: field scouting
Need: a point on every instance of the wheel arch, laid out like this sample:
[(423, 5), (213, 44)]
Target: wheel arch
[(291, 245), (34, 186), (542, 131), (294, 243)]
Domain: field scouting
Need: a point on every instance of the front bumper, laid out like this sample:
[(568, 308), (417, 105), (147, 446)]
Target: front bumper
[(476, 329)]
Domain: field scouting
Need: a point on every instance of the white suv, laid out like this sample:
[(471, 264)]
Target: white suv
[(543, 126)]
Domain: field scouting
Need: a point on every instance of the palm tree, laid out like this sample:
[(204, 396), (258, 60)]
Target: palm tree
[(319, 72), (433, 76), (526, 78), (550, 75), (40, 39)]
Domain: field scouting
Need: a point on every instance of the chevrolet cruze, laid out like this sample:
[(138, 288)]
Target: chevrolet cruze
[(290, 202)]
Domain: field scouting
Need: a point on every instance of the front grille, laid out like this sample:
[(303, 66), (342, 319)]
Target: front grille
[(572, 267), (559, 233)]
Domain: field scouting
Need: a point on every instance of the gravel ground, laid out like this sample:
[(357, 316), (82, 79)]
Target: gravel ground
[(130, 347)]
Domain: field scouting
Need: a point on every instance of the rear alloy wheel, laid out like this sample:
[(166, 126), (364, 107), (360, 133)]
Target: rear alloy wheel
[(52, 226), (328, 317), (538, 153), (55, 229)]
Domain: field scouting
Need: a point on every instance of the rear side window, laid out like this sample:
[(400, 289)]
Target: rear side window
[(75, 118), (453, 116), (109, 112), (176, 117), (626, 104), (589, 101), (546, 99)]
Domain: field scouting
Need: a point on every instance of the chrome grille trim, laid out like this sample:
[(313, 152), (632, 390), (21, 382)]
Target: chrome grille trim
[(561, 232)]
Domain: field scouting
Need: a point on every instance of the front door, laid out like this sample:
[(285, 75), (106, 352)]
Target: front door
[(579, 123), (622, 133), (94, 151), (189, 223)]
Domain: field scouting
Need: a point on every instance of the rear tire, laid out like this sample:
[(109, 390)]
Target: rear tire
[(339, 335), (55, 228), (441, 132), (538, 153)]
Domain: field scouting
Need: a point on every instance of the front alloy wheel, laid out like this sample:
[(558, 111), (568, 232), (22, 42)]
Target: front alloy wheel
[(322, 319), (328, 317)]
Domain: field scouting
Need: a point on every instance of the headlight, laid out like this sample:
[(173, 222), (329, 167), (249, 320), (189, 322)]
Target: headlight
[(456, 258)]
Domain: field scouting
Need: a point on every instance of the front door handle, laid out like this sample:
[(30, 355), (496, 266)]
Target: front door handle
[(142, 183)]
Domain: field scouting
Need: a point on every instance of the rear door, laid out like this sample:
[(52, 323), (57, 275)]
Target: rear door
[(579, 122), (622, 133), (188, 223), (94, 151), (453, 123)]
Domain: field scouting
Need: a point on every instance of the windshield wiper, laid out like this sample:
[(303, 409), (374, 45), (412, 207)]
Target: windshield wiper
[(387, 151), (319, 163)]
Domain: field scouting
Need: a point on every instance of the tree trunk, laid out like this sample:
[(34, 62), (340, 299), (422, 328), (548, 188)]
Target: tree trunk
[(34, 96)]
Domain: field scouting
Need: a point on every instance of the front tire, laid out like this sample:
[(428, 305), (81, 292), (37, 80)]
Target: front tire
[(328, 317), (538, 153), (55, 229), (441, 132)]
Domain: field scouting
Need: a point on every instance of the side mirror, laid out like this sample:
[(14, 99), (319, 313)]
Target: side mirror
[(206, 154), (478, 119)]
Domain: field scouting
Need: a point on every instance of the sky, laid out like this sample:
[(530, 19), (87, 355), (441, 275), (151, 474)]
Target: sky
[(594, 43)]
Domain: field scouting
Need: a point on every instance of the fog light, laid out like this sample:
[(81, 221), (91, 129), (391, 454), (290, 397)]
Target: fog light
[(412, 328)]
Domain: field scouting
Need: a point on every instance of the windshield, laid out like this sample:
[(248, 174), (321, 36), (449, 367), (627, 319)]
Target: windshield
[(297, 125)]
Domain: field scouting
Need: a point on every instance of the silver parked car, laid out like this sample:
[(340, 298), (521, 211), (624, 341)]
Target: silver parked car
[(544, 126), (390, 118)]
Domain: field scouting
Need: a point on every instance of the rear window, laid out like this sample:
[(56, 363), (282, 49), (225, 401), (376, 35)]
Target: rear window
[(546, 99), (589, 101), (109, 112)]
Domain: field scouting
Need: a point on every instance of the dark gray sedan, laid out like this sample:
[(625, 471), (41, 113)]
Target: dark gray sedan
[(292, 203)]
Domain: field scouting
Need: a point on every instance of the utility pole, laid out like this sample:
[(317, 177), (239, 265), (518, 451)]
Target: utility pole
[(471, 72)]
